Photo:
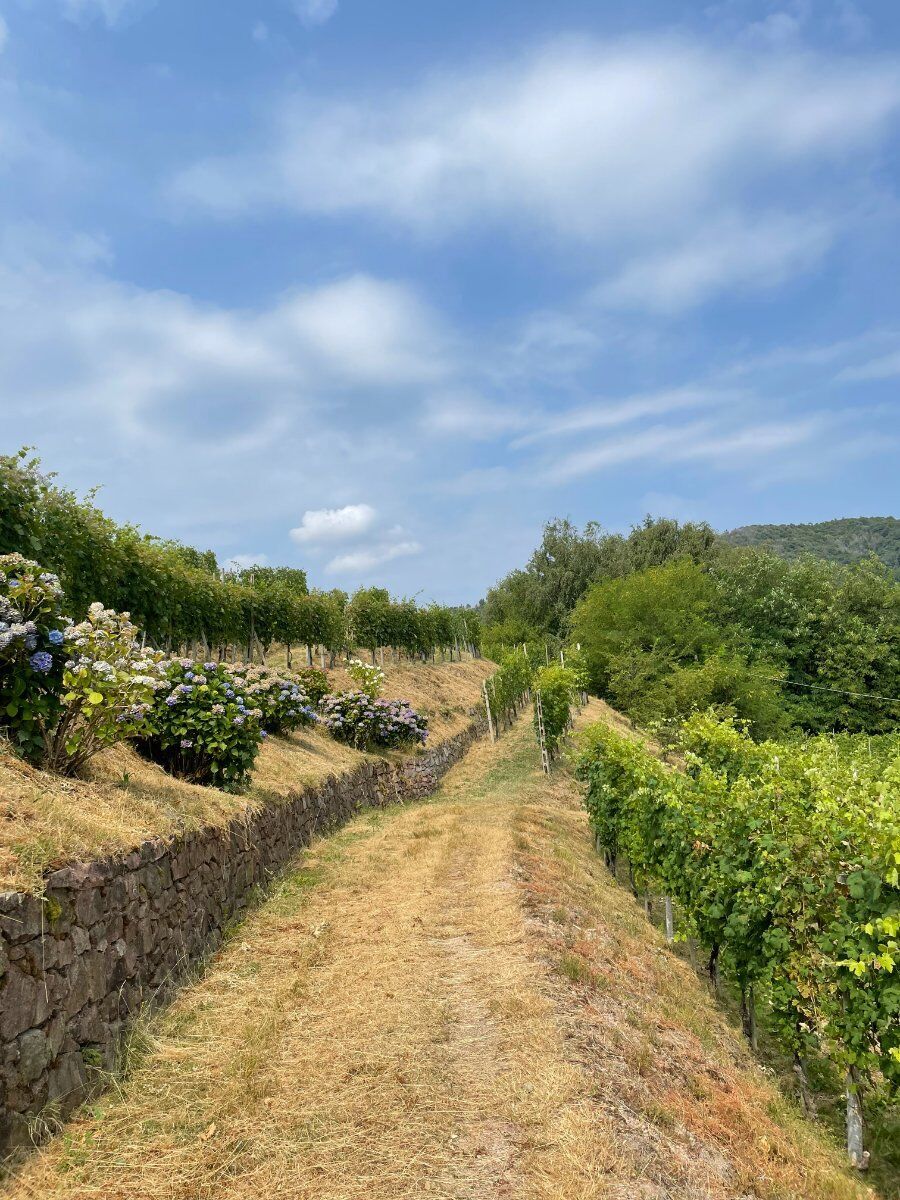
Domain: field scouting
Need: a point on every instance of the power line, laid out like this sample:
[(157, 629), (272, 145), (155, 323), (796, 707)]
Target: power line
[(815, 687)]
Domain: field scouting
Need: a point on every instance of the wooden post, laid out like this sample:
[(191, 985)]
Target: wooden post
[(670, 921)]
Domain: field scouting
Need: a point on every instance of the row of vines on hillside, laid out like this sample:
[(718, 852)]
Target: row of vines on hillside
[(784, 859), (181, 599), (553, 689)]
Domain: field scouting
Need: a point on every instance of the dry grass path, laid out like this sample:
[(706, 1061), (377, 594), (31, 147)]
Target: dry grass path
[(446, 1000)]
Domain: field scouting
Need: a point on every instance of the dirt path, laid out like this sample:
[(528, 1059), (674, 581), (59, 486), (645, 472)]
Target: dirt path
[(401, 1019)]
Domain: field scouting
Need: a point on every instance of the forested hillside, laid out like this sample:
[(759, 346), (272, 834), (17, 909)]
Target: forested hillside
[(843, 541)]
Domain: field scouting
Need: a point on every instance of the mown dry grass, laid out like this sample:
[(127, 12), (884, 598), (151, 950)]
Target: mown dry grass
[(45, 820), (445, 1000)]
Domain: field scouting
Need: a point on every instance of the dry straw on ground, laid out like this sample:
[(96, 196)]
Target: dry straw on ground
[(445, 1000), (45, 820)]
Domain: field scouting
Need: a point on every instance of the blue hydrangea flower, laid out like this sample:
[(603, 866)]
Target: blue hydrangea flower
[(42, 662), (55, 637)]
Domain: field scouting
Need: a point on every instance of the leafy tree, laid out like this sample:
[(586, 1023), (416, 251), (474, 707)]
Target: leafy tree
[(568, 561), (664, 613)]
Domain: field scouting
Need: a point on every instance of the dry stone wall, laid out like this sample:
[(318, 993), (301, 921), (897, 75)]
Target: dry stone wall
[(110, 936)]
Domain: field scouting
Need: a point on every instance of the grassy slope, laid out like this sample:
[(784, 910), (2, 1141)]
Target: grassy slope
[(448, 999), (48, 820)]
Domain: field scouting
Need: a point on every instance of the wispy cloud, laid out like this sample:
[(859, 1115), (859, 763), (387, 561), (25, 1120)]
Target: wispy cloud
[(315, 12), (467, 414), (887, 366), (650, 151), (697, 441), (738, 254), (359, 562), (606, 414)]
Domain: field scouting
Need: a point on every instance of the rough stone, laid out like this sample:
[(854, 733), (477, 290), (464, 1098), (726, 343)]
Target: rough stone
[(23, 1004), (35, 1054), (119, 932)]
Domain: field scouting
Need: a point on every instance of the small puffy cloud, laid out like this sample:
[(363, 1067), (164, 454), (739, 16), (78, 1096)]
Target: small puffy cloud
[(362, 560), (334, 524), (315, 12)]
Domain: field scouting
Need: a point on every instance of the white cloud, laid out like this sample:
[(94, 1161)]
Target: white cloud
[(357, 562), (733, 252), (146, 361), (592, 142), (315, 12), (334, 524), (365, 330)]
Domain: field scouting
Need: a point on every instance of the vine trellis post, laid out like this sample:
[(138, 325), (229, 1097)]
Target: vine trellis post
[(487, 705), (542, 736)]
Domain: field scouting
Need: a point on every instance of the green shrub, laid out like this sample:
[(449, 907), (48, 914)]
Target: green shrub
[(314, 682)]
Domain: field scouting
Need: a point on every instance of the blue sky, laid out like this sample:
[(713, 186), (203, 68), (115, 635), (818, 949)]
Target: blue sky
[(377, 289)]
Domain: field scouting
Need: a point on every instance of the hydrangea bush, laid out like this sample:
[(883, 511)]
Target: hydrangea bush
[(204, 726), (367, 677), (31, 657), (361, 721), (108, 687), (283, 702), (32, 629)]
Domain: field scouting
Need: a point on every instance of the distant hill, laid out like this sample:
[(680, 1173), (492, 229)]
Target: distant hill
[(842, 541)]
